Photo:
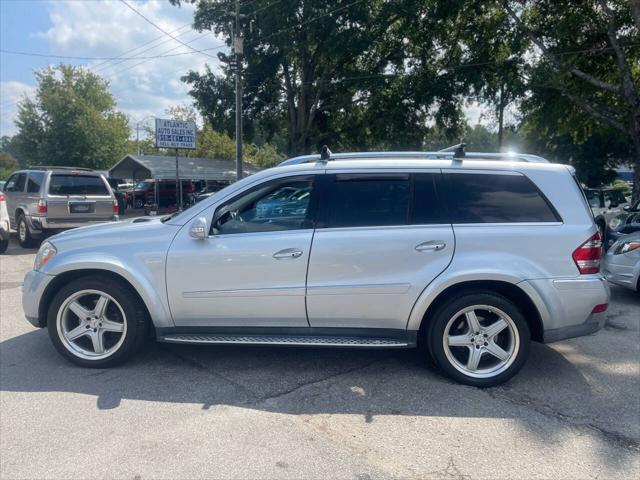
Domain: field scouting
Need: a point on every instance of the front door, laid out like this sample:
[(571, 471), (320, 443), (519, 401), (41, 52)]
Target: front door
[(381, 239), (252, 268)]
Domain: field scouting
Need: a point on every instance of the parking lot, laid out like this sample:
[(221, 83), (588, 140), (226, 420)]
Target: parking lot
[(238, 412)]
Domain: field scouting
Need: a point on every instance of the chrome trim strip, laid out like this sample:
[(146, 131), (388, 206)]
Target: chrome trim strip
[(249, 292)]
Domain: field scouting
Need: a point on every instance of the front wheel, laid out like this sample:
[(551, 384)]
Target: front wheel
[(479, 338), (96, 322)]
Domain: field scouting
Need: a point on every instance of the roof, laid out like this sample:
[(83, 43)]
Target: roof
[(440, 155), (139, 167)]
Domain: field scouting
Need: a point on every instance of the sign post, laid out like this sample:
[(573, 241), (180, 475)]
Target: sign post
[(176, 134)]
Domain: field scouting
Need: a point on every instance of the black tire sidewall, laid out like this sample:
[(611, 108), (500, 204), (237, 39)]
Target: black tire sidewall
[(29, 241), (136, 319), (442, 316)]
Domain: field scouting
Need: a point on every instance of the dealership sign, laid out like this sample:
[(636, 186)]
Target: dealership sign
[(175, 134)]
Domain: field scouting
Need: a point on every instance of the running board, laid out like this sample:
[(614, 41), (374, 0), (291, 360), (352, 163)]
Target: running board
[(300, 340)]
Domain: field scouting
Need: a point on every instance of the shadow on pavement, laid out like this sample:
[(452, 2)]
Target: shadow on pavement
[(311, 381)]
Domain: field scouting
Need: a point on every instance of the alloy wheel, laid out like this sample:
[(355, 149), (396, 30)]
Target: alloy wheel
[(481, 341), (91, 324)]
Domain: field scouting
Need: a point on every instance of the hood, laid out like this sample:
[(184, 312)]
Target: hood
[(106, 230)]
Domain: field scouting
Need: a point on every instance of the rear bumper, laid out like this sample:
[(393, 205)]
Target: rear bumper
[(33, 287), (44, 223), (566, 305)]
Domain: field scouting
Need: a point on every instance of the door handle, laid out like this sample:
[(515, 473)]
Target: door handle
[(288, 253), (434, 245)]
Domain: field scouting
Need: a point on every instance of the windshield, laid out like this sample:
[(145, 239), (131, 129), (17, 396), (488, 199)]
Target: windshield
[(143, 185)]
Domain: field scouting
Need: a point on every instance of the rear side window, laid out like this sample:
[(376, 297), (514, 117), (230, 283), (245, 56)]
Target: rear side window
[(496, 198), (34, 182), (77, 185), (366, 200), (426, 208)]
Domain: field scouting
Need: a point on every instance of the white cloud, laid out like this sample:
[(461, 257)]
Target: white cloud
[(11, 92), (109, 29)]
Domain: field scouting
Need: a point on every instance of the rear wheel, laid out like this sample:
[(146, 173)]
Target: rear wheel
[(97, 322), (479, 338), (25, 238)]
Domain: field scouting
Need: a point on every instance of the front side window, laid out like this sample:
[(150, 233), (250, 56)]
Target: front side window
[(77, 185), (367, 200), (34, 182), (273, 206), (16, 183), (497, 198)]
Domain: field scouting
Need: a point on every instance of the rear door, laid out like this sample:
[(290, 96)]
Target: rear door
[(381, 239), (78, 197)]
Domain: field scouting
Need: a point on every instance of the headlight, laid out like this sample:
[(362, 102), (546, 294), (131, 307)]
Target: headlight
[(626, 246), (615, 222), (47, 252)]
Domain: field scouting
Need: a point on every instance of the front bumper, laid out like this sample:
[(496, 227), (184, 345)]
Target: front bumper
[(566, 305), (624, 273), (33, 288)]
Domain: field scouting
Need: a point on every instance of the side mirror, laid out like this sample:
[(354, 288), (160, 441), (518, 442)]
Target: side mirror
[(198, 228)]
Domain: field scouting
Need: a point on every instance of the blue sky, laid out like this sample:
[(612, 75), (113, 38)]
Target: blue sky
[(101, 28), (106, 28)]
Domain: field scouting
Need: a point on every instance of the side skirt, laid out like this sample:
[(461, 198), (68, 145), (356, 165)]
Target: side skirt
[(316, 337)]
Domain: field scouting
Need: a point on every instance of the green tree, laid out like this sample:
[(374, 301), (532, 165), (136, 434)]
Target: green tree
[(72, 120), (7, 165), (584, 80)]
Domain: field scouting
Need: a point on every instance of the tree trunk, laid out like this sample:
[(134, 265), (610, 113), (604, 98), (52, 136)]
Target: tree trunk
[(501, 118)]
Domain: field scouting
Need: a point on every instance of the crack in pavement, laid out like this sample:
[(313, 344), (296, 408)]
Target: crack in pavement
[(618, 439), (320, 380)]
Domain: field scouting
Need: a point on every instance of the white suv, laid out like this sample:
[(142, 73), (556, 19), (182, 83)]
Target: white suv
[(473, 259)]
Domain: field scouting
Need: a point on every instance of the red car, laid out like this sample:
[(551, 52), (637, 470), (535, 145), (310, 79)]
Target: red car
[(144, 193)]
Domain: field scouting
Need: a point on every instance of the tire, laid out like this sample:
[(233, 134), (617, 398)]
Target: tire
[(4, 244), (454, 346), (121, 328), (139, 203), (25, 238)]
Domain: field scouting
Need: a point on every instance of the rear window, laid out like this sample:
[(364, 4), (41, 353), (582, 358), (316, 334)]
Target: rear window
[(77, 185), (497, 198)]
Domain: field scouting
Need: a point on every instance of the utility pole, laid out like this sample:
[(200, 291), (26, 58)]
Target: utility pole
[(238, 50)]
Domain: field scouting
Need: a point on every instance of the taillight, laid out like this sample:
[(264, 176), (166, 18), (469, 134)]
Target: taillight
[(115, 207), (42, 206), (587, 256), (2, 197)]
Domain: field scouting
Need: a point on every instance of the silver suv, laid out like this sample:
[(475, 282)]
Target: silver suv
[(44, 200), (472, 259)]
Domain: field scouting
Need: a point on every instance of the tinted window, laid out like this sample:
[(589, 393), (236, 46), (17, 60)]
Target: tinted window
[(16, 183), (280, 205), (489, 198), (362, 200), (594, 198), (77, 185), (34, 182), (426, 208)]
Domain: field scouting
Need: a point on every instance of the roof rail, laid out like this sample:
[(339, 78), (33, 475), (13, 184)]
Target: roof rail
[(56, 167), (437, 155)]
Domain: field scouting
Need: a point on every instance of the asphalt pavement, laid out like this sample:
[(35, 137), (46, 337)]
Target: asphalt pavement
[(247, 412)]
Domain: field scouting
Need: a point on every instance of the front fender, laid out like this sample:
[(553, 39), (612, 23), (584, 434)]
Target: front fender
[(146, 287)]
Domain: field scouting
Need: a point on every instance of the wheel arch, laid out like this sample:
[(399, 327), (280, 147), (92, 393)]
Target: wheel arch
[(420, 318), (64, 278)]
